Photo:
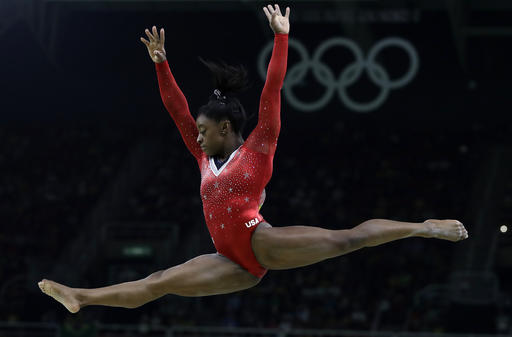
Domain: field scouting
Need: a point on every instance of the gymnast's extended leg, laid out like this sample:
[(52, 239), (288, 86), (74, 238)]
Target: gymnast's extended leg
[(297, 246), (204, 275)]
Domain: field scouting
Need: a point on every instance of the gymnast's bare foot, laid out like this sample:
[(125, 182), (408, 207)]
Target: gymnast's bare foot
[(451, 230), (61, 293)]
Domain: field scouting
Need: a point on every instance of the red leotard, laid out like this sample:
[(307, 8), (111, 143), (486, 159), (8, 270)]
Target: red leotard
[(231, 193)]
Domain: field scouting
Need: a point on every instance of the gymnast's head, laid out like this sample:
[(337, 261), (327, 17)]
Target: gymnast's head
[(223, 118)]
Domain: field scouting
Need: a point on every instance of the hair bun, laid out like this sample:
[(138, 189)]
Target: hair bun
[(227, 79)]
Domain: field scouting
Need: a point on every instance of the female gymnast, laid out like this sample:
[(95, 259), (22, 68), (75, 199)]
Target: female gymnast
[(234, 174)]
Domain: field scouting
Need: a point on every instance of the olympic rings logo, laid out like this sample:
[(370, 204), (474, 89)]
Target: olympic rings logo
[(323, 74)]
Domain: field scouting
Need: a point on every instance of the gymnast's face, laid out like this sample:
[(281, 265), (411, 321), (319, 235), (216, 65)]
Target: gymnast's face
[(212, 134)]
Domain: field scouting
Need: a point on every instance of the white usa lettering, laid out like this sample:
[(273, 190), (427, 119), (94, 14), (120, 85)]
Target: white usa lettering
[(251, 223)]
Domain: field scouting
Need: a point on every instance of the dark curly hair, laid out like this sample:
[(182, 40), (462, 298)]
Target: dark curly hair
[(228, 81)]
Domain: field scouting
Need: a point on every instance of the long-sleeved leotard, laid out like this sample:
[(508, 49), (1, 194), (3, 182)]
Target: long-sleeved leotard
[(231, 193)]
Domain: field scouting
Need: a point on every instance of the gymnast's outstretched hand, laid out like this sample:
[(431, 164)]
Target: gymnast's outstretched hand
[(280, 24), (155, 45)]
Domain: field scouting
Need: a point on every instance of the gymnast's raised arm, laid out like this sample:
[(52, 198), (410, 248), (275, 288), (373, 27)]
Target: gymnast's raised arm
[(172, 96), (264, 137)]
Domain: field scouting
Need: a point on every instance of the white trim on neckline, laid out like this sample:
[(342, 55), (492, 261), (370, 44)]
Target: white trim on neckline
[(213, 167)]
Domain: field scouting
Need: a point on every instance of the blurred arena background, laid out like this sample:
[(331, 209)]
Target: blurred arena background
[(391, 109)]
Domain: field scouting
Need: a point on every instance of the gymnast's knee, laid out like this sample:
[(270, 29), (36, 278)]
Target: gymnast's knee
[(347, 240), (158, 285), (153, 284)]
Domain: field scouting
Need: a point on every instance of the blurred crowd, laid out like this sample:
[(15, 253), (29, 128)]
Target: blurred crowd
[(52, 177)]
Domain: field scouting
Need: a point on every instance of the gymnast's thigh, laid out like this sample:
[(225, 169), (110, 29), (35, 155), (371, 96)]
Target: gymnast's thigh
[(209, 274)]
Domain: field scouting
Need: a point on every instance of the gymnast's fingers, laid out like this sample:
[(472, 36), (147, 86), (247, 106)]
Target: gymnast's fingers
[(278, 10), (267, 13), (151, 39), (155, 34), (146, 42)]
